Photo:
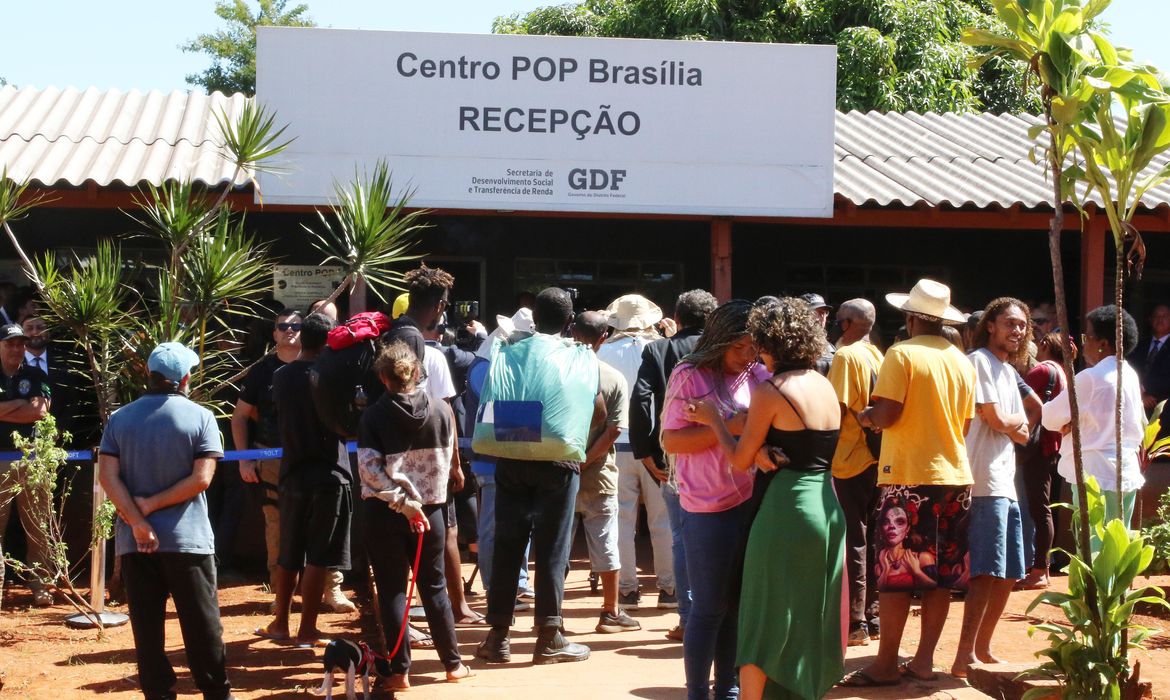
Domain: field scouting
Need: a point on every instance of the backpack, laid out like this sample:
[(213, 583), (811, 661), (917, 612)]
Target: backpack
[(537, 400), (363, 326), (342, 379)]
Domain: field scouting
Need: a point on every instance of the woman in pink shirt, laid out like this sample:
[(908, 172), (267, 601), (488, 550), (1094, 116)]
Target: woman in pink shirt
[(715, 500)]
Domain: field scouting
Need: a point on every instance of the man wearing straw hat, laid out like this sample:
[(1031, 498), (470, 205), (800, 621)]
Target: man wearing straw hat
[(923, 403), (632, 316)]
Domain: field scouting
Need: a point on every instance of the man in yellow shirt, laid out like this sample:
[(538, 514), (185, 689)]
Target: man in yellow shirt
[(852, 374), (924, 401)]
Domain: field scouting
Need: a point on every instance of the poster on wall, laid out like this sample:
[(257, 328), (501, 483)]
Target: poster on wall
[(539, 123), (298, 286)]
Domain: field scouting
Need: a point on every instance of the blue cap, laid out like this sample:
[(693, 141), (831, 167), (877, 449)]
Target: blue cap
[(172, 360)]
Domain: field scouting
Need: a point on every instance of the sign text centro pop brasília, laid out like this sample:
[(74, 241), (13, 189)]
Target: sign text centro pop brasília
[(537, 123)]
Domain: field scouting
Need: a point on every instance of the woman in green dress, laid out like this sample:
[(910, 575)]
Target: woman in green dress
[(790, 624)]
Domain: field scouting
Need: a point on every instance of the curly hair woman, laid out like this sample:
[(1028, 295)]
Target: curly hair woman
[(715, 499), (790, 622)]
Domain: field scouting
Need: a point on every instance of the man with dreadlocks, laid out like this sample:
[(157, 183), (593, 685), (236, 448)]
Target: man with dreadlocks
[(997, 533), (429, 288), (923, 403)]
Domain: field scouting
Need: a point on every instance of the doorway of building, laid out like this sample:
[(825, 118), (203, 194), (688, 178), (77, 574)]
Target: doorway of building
[(598, 282)]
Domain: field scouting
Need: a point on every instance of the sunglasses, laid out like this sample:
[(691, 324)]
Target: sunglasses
[(1039, 321), (296, 326)]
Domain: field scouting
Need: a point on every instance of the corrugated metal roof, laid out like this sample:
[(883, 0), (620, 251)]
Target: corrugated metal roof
[(946, 159), (74, 136)]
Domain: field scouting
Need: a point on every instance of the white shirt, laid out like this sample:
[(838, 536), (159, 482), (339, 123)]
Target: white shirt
[(41, 362), (1096, 396), (624, 353), (992, 454), (438, 384)]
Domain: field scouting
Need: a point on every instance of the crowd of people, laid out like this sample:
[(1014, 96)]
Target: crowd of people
[(802, 485)]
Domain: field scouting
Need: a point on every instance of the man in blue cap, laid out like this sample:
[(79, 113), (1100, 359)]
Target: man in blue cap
[(157, 458)]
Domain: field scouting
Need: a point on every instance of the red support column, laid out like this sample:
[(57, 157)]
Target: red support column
[(1093, 264), (721, 259)]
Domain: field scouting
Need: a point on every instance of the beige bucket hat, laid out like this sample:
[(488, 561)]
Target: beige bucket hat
[(633, 311), (928, 298)]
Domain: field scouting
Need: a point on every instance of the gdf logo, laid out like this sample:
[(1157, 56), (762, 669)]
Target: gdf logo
[(595, 179)]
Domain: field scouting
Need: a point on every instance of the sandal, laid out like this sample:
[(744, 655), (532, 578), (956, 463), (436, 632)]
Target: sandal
[(861, 679), (907, 672), (477, 620), (676, 633), (420, 639), (263, 633), (466, 673)]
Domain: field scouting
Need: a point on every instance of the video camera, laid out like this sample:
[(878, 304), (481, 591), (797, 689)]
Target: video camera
[(460, 314)]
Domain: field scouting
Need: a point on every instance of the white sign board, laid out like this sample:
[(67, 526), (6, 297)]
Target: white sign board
[(297, 286), (503, 122)]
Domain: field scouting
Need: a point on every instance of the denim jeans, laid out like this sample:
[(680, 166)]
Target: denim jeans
[(537, 500), (635, 483), (682, 586), (487, 533), (714, 545)]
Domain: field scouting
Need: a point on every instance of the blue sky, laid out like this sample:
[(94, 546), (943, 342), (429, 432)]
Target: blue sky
[(133, 44)]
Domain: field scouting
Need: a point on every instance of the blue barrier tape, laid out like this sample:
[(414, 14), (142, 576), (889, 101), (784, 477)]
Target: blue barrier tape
[(236, 455), (72, 456)]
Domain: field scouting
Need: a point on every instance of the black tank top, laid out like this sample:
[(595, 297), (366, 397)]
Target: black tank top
[(807, 451)]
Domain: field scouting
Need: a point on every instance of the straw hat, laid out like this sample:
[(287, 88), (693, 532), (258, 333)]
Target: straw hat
[(633, 311), (928, 298)]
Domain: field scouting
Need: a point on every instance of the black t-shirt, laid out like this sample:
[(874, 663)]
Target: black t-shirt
[(27, 383), (310, 449), (257, 391)]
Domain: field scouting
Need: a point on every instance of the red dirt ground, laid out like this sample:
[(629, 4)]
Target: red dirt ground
[(41, 659)]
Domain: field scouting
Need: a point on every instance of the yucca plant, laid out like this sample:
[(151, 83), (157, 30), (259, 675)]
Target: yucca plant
[(89, 298), (174, 213), (369, 231), (15, 203), (211, 269), (251, 141)]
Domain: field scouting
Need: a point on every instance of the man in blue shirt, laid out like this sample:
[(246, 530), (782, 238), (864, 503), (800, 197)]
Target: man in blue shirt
[(157, 458)]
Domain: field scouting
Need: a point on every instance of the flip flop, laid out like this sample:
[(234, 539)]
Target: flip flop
[(263, 633), (477, 621), (460, 679), (861, 679), (908, 672), (420, 639)]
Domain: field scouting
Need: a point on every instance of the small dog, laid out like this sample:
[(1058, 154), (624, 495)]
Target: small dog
[(357, 659)]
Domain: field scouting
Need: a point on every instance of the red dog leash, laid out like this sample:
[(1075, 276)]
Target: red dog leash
[(418, 524)]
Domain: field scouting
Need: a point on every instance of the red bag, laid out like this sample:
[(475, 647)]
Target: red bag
[(363, 326)]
